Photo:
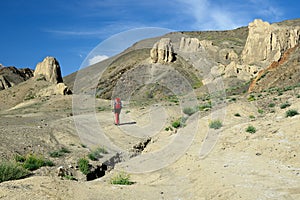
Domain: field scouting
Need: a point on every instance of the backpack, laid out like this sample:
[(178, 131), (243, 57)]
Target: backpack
[(117, 104)]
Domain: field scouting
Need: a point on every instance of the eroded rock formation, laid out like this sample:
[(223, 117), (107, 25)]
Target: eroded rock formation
[(162, 51), (48, 69), (266, 43)]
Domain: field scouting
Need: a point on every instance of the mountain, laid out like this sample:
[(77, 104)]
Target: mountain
[(204, 57), (10, 76)]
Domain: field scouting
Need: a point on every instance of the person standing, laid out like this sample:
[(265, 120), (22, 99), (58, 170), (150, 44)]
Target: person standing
[(117, 110)]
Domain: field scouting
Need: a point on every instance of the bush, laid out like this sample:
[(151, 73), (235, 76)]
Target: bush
[(251, 98), (237, 114), (121, 179), (96, 154), (251, 116), (176, 124), (250, 129), (260, 111), (189, 111), (84, 166), (33, 162), (271, 105), (291, 113), (215, 124), (12, 171), (59, 153), (285, 105)]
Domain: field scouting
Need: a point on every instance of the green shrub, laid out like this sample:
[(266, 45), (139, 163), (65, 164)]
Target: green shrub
[(298, 96), (237, 114), (285, 105), (33, 162), (97, 153), (121, 178), (260, 111), (59, 153), (206, 106), (215, 124), (70, 177), (189, 111), (84, 166), (251, 98), (250, 129), (176, 124), (291, 113), (12, 171), (251, 116), (271, 105)]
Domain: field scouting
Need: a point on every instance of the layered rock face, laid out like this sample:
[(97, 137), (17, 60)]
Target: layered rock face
[(10, 76), (162, 51), (267, 43), (48, 69)]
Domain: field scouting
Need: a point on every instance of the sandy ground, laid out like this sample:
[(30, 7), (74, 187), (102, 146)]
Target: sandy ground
[(241, 165)]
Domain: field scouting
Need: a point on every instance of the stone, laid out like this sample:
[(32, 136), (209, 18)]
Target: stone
[(49, 69), (162, 51)]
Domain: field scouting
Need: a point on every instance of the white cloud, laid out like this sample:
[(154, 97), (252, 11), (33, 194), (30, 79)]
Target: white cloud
[(218, 15), (97, 59)]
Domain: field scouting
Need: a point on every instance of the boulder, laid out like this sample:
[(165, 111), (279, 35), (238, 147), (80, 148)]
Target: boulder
[(49, 70), (162, 51)]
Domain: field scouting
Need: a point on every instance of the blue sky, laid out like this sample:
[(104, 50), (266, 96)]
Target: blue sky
[(70, 30)]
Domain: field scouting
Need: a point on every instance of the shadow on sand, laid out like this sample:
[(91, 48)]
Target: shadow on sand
[(127, 123)]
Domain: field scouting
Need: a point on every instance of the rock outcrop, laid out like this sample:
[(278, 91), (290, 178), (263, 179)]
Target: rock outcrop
[(49, 70), (280, 74), (162, 51), (10, 76), (4, 83), (266, 43), (189, 44)]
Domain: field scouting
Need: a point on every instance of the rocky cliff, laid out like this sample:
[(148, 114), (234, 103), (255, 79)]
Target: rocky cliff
[(10, 76)]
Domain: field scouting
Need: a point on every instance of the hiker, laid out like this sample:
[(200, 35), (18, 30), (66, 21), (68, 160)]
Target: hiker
[(117, 110)]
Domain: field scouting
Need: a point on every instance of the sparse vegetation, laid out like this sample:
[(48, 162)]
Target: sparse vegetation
[(97, 153), (271, 105), (189, 111), (169, 128), (285, 105), (59, 153), (84, 166), (251, 116), (33, 162), (250, 129), (215, 124), (70, 177), (251, 98), (121, 178), (12, 171), (291, 113), (179, 122), (260, 111)]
